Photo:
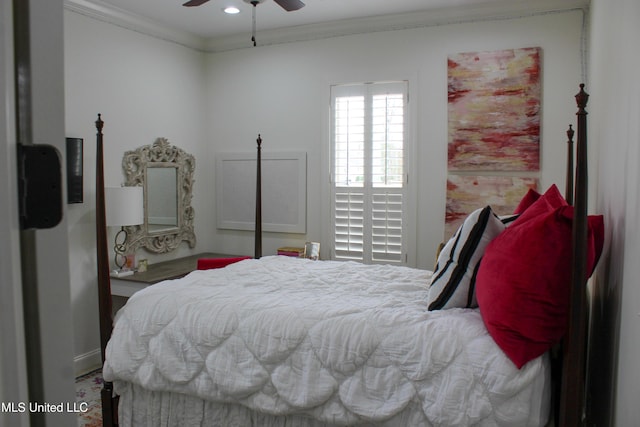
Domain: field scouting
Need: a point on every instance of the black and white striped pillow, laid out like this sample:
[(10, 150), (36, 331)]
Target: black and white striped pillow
[(453, 281)]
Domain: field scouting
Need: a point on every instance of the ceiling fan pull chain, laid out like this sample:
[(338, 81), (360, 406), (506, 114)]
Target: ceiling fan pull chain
[(253, 28)]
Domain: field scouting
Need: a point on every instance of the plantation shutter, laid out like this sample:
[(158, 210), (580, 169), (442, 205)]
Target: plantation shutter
[(368, 141)]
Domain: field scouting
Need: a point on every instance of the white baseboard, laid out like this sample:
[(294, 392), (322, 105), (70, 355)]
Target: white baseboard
[(87, 362)]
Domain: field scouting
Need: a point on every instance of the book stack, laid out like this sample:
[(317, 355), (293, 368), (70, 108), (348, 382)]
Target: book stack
[(291, 251)]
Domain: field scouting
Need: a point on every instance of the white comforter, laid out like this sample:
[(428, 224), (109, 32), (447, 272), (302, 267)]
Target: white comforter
[(340, 341)]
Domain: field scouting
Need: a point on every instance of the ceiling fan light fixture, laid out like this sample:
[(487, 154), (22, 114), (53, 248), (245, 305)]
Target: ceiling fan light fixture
[(231, 10)]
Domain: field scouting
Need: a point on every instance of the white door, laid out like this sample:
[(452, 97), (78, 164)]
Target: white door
[(13, 373), (36, 350)]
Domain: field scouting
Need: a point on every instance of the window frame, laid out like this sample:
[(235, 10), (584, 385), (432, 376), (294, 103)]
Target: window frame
[(370, 89)]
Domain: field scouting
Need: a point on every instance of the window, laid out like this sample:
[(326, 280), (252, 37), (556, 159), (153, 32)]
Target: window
[(369, 176)]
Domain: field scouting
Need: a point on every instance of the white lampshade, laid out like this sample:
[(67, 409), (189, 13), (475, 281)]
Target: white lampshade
[(124, 205)]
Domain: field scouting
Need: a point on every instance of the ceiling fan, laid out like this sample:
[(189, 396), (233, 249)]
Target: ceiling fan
[(288, 5)]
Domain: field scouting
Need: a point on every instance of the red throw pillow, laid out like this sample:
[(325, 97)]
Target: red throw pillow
[(524, 280), (550, 200), (528, 199)]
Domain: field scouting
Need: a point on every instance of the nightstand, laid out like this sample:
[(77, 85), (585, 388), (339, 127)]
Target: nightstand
[(128, 285)]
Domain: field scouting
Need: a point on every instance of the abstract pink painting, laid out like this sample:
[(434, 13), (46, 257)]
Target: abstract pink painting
[(494, 110), (465, 194)]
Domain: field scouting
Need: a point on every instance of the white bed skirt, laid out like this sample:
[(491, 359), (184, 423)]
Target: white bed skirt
[(143, 408)]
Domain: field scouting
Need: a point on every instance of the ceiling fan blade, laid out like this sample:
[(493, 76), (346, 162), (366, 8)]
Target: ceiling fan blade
[(192, 3), (290, 5)]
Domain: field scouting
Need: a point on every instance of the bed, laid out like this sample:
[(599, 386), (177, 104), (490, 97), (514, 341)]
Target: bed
[(276, 341)]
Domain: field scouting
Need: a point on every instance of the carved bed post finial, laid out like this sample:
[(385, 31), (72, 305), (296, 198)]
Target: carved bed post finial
[(99, 123), (582, 98), (570, 134)]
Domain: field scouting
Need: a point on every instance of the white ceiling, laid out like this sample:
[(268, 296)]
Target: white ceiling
[(208, 27), (208, 20)]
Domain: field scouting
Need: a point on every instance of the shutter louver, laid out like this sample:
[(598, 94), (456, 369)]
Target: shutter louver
[(387, 227), (349, 219)]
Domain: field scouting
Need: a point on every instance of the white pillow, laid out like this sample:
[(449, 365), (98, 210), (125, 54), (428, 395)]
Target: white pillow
[(453, 281)]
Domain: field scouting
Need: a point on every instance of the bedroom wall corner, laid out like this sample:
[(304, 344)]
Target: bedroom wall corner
[(145, 88)]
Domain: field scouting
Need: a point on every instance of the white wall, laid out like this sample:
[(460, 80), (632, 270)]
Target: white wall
[(615, 128), (282, 92), (144, 88)]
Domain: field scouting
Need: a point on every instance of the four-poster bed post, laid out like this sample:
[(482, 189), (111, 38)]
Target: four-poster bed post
[(572, 398), (258, 227), (569, 184), (104, 282)]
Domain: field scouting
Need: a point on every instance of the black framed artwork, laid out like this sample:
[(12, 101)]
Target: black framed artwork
[(75, 188)]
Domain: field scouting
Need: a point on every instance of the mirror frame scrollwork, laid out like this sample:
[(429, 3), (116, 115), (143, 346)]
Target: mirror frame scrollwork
[(161, 154)]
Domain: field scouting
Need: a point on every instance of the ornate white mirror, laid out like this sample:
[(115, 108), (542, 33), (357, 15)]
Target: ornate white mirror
[(166, 174)]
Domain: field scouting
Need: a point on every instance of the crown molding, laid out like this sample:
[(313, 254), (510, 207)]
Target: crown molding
[(497, 10), (502, 9), (106, 13)]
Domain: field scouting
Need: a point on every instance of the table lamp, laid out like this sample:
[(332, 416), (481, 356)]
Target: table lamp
[(124, 206)]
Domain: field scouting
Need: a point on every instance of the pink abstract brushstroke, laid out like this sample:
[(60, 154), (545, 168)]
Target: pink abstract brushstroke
[(468, 193), (494, 105)]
